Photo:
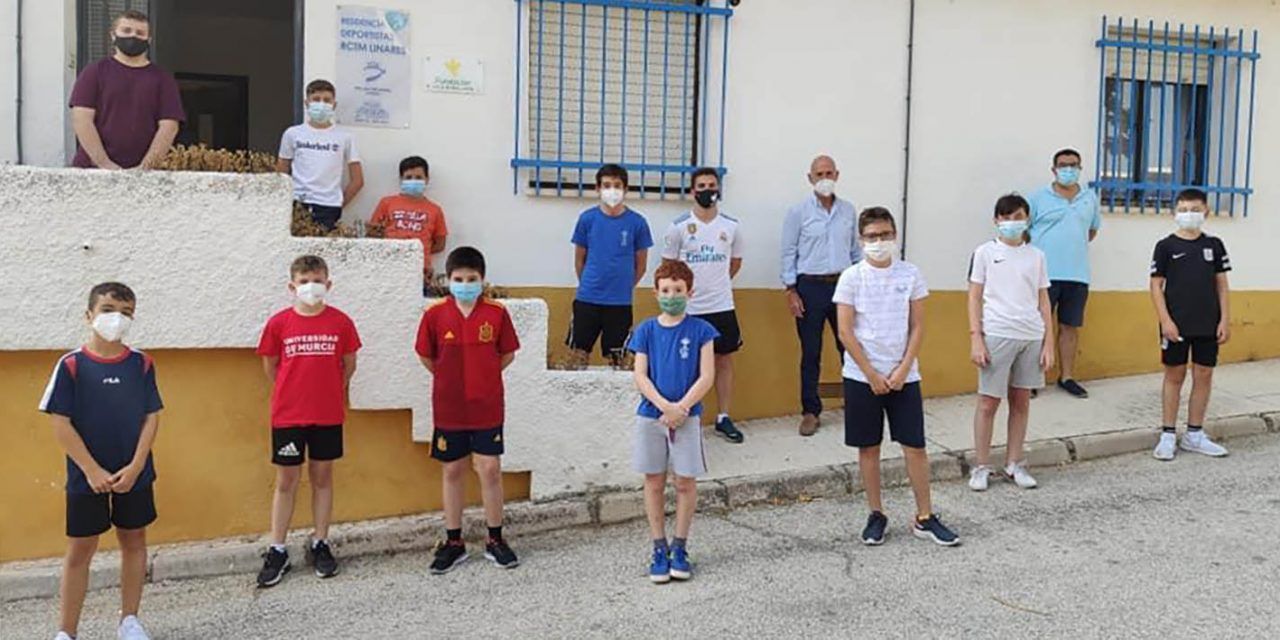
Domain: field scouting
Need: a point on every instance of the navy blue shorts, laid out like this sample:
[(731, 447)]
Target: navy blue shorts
[(865, 413), (448, 446), (92, 514), (1068, 299)]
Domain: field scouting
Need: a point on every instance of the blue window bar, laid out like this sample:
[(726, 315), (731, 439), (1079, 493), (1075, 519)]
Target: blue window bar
[(618, 81), (1175, 110)]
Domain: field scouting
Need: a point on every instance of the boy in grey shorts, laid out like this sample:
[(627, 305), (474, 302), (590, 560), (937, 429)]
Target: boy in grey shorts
[(1009, 320), (674, 369)]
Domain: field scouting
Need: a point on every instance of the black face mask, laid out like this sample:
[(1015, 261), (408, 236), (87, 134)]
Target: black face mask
[(132, 46), (706, 198)]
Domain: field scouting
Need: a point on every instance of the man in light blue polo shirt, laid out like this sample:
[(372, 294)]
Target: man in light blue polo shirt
[(819, 241), (1064, 220)]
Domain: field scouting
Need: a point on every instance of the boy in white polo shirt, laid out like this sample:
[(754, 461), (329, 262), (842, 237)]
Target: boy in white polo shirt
[(880, 315), (316, 153), (1009, 321), (709, 242)]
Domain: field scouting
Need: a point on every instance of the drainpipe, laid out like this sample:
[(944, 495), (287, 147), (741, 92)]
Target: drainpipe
[(18, 76), (906, 145)]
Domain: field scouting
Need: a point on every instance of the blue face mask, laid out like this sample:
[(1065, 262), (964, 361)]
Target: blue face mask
[(1068, 176), (320, 112), (413, 187), (466, 291), (1011, 229)]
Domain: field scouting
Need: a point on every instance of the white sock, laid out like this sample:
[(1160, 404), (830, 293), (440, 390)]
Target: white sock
[(723, 416), (278, 547)]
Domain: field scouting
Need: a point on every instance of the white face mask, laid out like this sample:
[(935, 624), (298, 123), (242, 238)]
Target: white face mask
[(880, 250), (611, 197), (312, 293), (825, 187), (1189, 220), (113, 326)]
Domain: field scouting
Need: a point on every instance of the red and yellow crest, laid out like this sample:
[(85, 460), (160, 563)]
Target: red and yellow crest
[(486, 332)]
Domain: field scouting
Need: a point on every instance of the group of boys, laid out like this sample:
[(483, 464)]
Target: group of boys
[(104, 401)]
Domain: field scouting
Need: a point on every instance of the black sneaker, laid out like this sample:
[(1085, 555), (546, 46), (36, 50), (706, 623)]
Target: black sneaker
[(274, 565), (1072, 387), (497, 552), (321, 558), (726, 430), (873, 534), (933, 529), (449, 554)]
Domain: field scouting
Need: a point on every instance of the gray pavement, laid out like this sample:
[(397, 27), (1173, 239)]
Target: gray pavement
[(1121, 548)]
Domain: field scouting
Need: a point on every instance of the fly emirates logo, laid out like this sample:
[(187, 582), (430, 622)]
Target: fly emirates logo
[(320, 344)]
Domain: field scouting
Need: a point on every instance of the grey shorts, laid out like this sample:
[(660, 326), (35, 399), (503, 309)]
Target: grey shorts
[(654, 450), (1014, 363)]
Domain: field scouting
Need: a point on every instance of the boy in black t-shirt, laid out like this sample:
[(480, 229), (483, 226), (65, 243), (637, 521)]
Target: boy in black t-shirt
[(1190, 291)]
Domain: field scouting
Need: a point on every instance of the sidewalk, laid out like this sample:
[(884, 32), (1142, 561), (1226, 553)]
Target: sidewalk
[(774, 465)]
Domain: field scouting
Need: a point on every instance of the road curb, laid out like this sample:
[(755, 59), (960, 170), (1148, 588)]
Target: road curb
[(242, 556)]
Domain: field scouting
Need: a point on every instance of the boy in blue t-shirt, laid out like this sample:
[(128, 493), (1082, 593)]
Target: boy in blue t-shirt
[(674, 369), (105, 409), (611, 247)]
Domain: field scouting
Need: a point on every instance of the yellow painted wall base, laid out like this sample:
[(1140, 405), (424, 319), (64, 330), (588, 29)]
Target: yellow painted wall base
[(213, 457), (1119, 338)]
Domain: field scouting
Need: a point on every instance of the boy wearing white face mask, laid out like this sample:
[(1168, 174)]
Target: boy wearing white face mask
[(880, 314), (411, 215), (1191, 295), (309, 353), (316, 154), (1011, 337), (611, 250), (104, 405)]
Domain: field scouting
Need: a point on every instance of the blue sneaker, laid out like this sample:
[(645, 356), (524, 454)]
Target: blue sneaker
[(933, 529), (660, 568), (873, 534), (727, 430), (681, 568)]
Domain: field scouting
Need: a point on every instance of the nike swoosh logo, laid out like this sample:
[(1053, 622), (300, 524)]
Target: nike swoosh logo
[(999, 261), (1178, 255)]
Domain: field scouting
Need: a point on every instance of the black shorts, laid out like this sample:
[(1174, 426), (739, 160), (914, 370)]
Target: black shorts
[(91, 514), (1068, 299), (864, 414), (1202, 351), (290, 446), (324, 215), (610, 323), (726, 324), (448, 446)]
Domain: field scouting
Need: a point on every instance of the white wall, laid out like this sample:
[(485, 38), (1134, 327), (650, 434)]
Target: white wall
[(48, 32), (209, 281)]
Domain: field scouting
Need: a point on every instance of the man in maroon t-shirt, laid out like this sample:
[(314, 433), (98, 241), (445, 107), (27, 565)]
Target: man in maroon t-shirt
[(125, 110)]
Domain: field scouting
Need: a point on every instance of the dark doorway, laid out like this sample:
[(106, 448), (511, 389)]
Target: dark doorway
[(235, 62)]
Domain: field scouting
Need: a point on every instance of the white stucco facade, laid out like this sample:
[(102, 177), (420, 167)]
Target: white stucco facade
[(208, 256), (997, 87)]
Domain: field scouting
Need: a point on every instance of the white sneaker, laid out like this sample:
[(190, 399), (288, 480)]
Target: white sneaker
[(1020, 476), (131, 629), (1167, 447), (978, 477), (1198, 442), (62, 635)]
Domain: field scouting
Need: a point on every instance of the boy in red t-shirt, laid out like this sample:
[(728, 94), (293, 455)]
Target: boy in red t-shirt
[(466, 340), (309, 353), (409, 215)]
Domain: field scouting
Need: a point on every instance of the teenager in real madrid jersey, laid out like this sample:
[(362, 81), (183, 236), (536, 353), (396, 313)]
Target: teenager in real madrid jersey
[(711, 244)]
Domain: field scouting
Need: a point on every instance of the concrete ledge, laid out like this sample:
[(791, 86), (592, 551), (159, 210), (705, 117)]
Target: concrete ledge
[(418, 533)]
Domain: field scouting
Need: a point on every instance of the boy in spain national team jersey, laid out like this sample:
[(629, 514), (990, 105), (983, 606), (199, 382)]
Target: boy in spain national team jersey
[(309, 352), (710, 243), (466, 341), (1191, 295), (105, 409)]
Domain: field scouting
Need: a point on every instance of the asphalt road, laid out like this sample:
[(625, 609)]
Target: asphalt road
[(1123, 548)]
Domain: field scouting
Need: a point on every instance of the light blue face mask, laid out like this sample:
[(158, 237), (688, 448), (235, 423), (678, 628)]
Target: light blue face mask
[(466, 291), (320, 112), (1011, 229), (1068, 176), (413, 187)]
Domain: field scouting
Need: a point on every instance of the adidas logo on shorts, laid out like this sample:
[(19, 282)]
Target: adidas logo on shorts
[(288, 451)]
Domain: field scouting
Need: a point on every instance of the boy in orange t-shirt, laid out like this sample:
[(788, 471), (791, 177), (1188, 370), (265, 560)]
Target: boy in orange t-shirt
[(410, 215)]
